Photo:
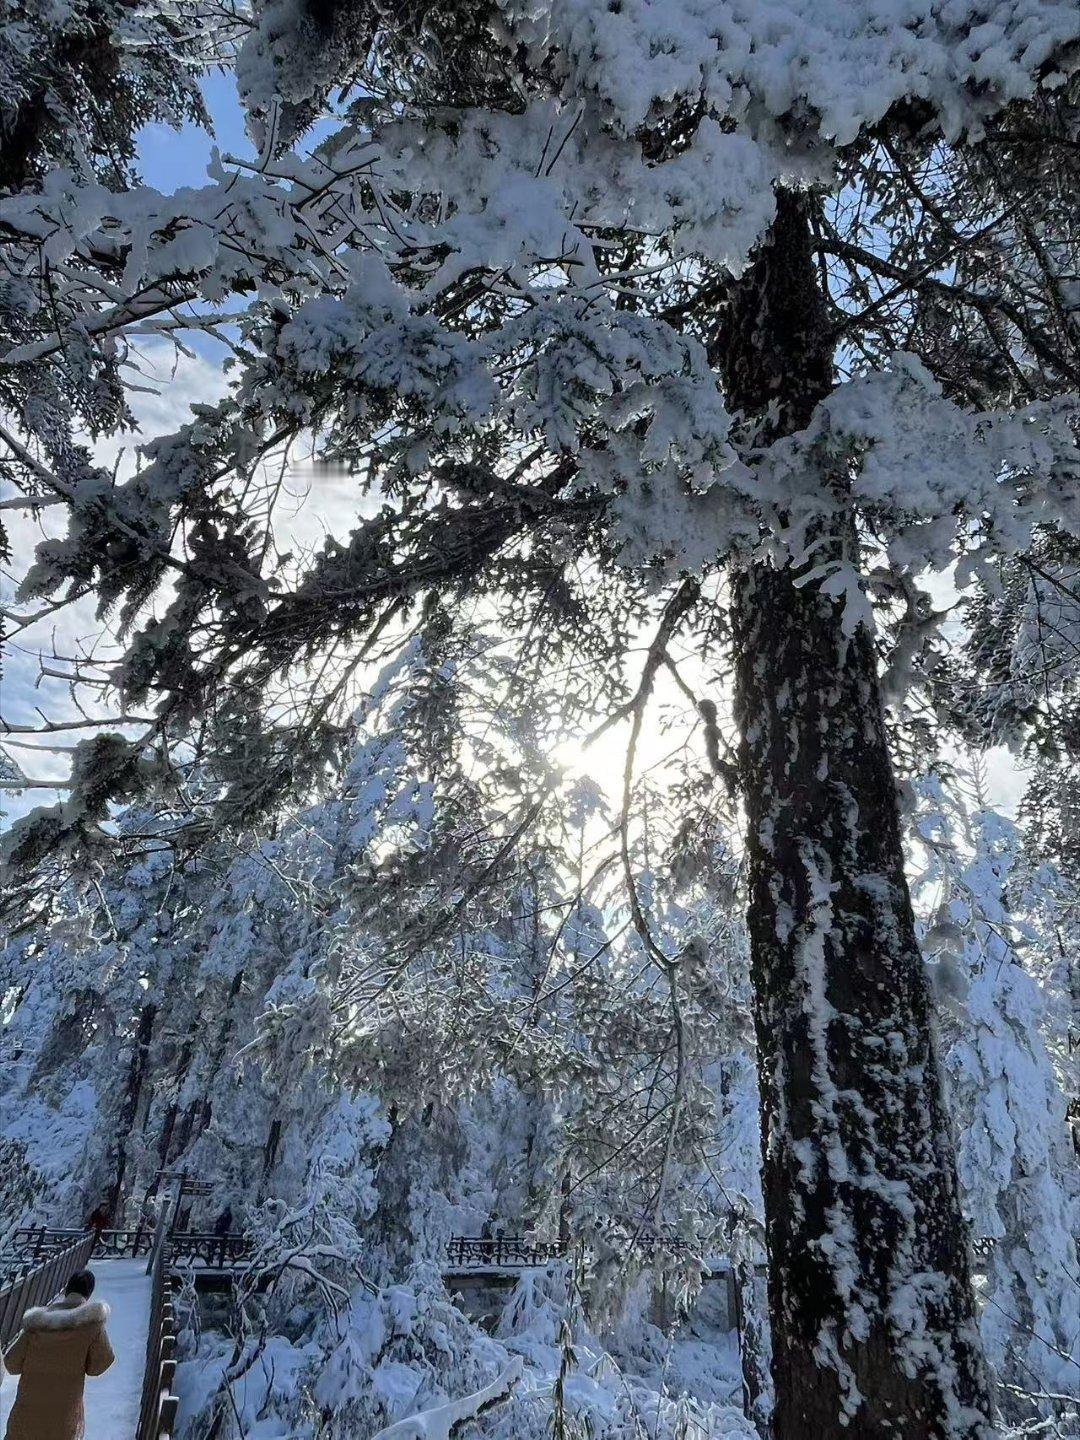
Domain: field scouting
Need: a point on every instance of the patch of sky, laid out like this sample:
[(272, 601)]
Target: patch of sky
[(171, 159)]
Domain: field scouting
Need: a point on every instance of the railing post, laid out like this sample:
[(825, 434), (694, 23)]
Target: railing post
[(8, 1305), (48, 1280), (167, 1415), (159, 1239), (25, 1291)]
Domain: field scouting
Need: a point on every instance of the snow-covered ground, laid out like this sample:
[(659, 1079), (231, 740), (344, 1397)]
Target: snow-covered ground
[(112, 1399)]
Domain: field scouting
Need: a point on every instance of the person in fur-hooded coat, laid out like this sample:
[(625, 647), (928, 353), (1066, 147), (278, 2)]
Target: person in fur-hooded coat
[(59, 1345)]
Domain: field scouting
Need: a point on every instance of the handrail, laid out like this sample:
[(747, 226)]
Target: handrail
[(516, 1252), (38, 1284), (41, 1239), (502, 1251), (157, 1413), (499, 1252), (215, 1252)]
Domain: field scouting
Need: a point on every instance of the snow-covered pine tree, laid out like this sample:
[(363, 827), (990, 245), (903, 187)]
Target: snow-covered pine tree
[(1017, 681), (504, 290), (1016, 1172), (501, 1081), (1052, 822)]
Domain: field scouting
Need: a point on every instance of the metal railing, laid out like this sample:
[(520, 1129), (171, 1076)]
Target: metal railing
[(157, 1413), (517, 1252), (195, 1247), (40, 1283), (501, 1252), (38, 1240), (213, 1252)]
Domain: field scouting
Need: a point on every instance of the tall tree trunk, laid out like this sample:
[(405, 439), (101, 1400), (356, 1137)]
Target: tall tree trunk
[(129, 1108), (873, 1329)]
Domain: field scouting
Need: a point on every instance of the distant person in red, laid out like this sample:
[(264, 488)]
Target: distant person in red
[(59, 1346), (96, 1221)]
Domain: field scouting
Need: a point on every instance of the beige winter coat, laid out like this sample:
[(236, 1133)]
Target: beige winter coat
[(59, 1346)]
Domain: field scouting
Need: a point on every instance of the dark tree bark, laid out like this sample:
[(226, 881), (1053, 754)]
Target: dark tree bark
[(129, 1107), (873, 1330), (752, 1337)]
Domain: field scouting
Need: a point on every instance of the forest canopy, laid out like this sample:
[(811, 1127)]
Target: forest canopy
[(574, 811)]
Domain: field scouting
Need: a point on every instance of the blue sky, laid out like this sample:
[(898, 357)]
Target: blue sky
[(170, 160)]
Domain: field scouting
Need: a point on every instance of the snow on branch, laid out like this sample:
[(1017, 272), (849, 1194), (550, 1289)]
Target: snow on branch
[(441, 1422)]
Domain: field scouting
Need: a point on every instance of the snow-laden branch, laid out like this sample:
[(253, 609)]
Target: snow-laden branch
[(441, 1422)]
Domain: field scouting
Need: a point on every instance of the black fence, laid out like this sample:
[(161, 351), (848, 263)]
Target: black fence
[(157, 1413), (40, 1281), (650, 1244), (39, 1240), (211, 1252), (501, 1252), (518, 1252), (190, 1247)]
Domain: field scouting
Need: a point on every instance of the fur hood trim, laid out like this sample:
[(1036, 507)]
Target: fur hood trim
[(66, 1317)]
